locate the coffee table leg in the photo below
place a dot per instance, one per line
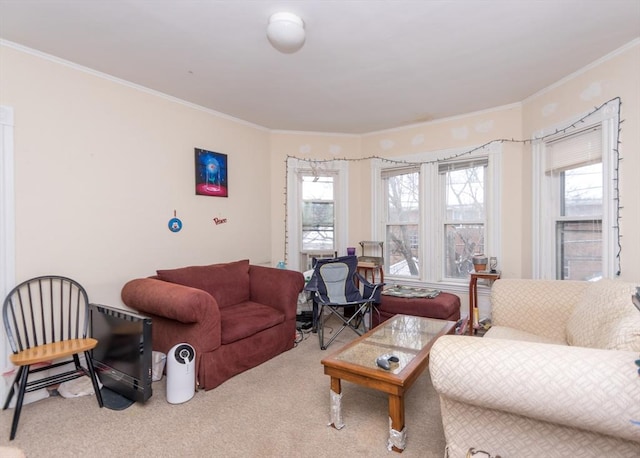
(336, 404)
(397, 432)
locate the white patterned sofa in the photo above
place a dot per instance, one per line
(554, 376)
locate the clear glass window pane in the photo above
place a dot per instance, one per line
(403, 215)
(404, 249)
(318, 213)
(579, 250)
(582, 191)
(464, 194)
(317, 225)
(403, 202)
(461, 242)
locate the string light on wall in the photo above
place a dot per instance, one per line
(314, 163)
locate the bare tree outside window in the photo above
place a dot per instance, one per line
(402, 222)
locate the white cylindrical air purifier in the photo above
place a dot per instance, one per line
(181, 373)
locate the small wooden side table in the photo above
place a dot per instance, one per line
(473, 293)
(367, 270)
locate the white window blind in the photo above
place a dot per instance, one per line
(580, 148)
(397, 171)
(445, 167)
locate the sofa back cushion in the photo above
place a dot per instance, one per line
(605, 317)
(227, 283)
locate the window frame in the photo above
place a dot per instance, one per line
(296, 168)
(314, 202)
(471, 161)
(546, 191)
(386, 223)
(432, 215)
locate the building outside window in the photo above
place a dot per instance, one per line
(317, 211)
(464, 216)
(574, 199)
(579, 223)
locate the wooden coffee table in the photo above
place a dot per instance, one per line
(409, 338)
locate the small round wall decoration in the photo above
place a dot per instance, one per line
(174, 223)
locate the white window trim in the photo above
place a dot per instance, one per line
(294, 200)
(431, 238)
(544, 265)
(7, 217)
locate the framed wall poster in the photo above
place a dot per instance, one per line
(211, 173)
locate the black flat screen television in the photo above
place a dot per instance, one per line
(122, 357)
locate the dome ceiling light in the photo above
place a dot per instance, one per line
(286, 32)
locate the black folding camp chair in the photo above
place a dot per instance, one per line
(335, 287)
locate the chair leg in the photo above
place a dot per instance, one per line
(94, 379)
(314, 316)
(13, 388)
(352, 322)
(320, 327)
(21, 390)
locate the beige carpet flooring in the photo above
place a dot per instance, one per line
(279, 409)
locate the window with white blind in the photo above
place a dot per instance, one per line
(435, 214)
(574, 188)
(317, 213)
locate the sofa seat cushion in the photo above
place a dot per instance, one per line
(246, 319)
(596, 319)
(228, 283)
(505, 332)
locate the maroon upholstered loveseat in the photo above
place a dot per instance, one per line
(235, 315)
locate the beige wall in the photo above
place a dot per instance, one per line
(310, 146)
(100, 167)
(465, 133)
(616, 76)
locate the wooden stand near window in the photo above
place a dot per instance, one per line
(473, 296)
(371, 263)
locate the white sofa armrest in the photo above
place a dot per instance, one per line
(590, 389)
(540, 307)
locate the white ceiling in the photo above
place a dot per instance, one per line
(365, 66)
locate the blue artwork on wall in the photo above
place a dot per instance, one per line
(211, 173)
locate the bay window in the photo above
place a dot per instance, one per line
(432, 214)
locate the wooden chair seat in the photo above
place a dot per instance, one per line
(51, 351)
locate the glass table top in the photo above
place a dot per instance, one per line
(402, 336)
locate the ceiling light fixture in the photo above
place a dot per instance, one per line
(286, 32)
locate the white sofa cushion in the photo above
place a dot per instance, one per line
(625, 334)
(505, 332)
(602, 312)
(590, 389)
(540, 307)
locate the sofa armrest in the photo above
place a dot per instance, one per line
(278, 288)
(179, 313)
(591, 389)
(540, 307)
